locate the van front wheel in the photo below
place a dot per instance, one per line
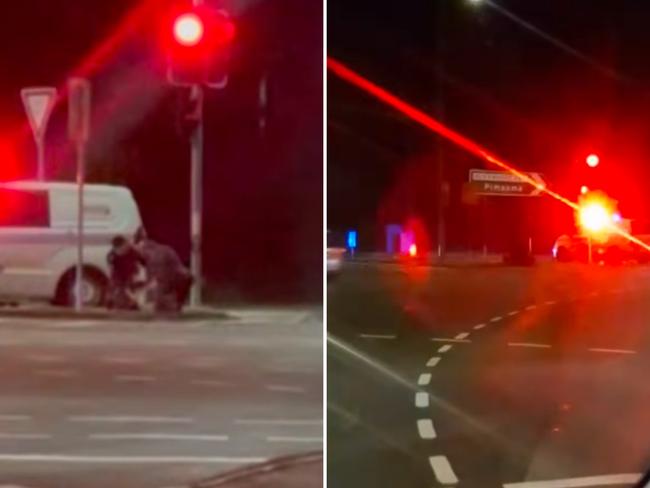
(93, 288)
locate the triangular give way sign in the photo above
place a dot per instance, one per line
(38, 102)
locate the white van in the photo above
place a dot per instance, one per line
(38, 238)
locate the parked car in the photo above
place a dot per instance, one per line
(38, 238)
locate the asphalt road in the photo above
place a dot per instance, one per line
(488, 377)
(107, 404)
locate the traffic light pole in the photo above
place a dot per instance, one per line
(196, 212)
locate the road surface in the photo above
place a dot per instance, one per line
(488, 376)
(105, 404)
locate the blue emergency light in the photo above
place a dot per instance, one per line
(352, 239)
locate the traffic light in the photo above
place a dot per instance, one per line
(592, 160)
(198, 42)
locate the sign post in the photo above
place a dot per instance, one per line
(79, 101)
(504, 184)
(38, 103)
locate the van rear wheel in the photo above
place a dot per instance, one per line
(93, 288)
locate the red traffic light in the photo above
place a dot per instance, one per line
(592, 160)
(188, 29)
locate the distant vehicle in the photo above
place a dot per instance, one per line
(38, 238)
(335, 254)
(614, 249)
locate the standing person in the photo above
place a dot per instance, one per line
(124, 261)
(164, 267)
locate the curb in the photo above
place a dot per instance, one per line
(273, 465)
(66, 314)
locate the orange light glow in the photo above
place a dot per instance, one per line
(595, 217)
(188, 29)
(413, 250)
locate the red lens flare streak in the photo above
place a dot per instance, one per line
(424, 119)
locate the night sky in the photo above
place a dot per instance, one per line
(263, 188)
(523, 98)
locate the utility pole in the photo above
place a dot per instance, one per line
(196, 217)
(440, 114)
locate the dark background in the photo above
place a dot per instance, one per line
(263, 187)
(523, 98)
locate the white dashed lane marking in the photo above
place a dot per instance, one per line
(479, 326)
(444, 349)
(52, 373)
(421, 399)
(528, 344)
(496, 319)
(286, 422)
(531, 307)
(550, 302)
(285, 388)
(128, 378)
(308, 440)
(462, 336)
(14, 418)
(512, 313)
(424, 379)
(154, 436)
(613, 351)
(433, 361)
(426, 429)
(117, 419)
(378, 336)
(442, 470)
(25, 436)
(446, 339)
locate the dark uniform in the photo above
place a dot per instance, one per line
(124, 261)
(172, 279)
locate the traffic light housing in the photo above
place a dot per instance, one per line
(198, 43)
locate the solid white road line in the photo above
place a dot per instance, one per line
(531, 307)
(294, 422)
(445, 339)
(444, 349)
(424, 379)
(26, 436)
(603, 480)
(528, 344)
(442, 470)
(433, 361)
(461, 336)
(129, 378)
(285, 388)
(279, 438)
(479, 326)
(421, 399)
(116, 419)
(512, 313)
(425, 429)
(377, 336)
(550, 302)
(158, 436)
(70, 459)
(615, 351)
(496, 319)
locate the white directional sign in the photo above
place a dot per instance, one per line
(503, 183)
(38, 102)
